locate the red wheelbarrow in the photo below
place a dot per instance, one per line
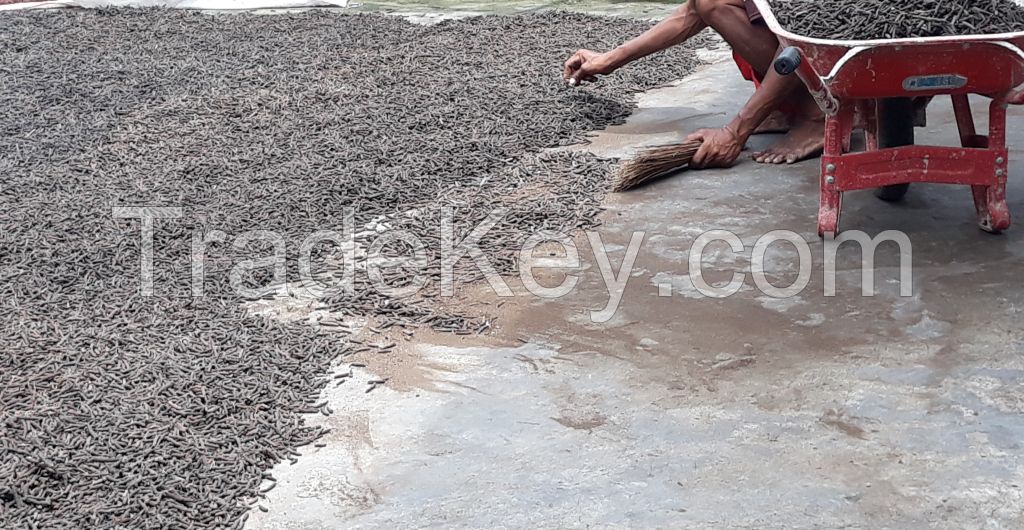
(872, 85)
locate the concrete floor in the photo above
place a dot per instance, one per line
(689, 412)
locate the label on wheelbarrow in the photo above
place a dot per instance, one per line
(934, 82)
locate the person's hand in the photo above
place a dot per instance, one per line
(585, 65)
(720, 148)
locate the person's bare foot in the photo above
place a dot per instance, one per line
(805, 140)
(776, 122)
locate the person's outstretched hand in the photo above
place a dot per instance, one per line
(585, 65)
(720, 148)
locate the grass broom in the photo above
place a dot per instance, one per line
(652, 163)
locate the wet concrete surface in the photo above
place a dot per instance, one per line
(682, 411)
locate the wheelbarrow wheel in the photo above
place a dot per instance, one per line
(893, 193)
(895, 129)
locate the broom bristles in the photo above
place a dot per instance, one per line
(653, 163)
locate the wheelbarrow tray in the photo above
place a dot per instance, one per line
(978, 64)
(850, 79)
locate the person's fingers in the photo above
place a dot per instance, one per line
(700, 157)
(570, 72)
(695, 137)
(571, 66)
(580, 71)
(697, 161)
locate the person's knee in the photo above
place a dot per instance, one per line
(707, 9)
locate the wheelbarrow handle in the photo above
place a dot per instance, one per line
(788, 61)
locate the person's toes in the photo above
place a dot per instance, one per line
(791, 159)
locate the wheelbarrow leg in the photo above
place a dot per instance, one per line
(830, 204)
(990, 200)
(838, 124)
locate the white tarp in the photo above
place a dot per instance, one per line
(179, 4)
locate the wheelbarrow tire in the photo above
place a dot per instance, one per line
(893, 193)
(895, 129)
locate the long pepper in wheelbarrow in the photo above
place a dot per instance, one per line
(897, 19)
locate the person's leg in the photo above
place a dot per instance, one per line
(757, 45)
(805, 139)
(778, 120)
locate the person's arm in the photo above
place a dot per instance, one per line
(722, 147)
(682, 24)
